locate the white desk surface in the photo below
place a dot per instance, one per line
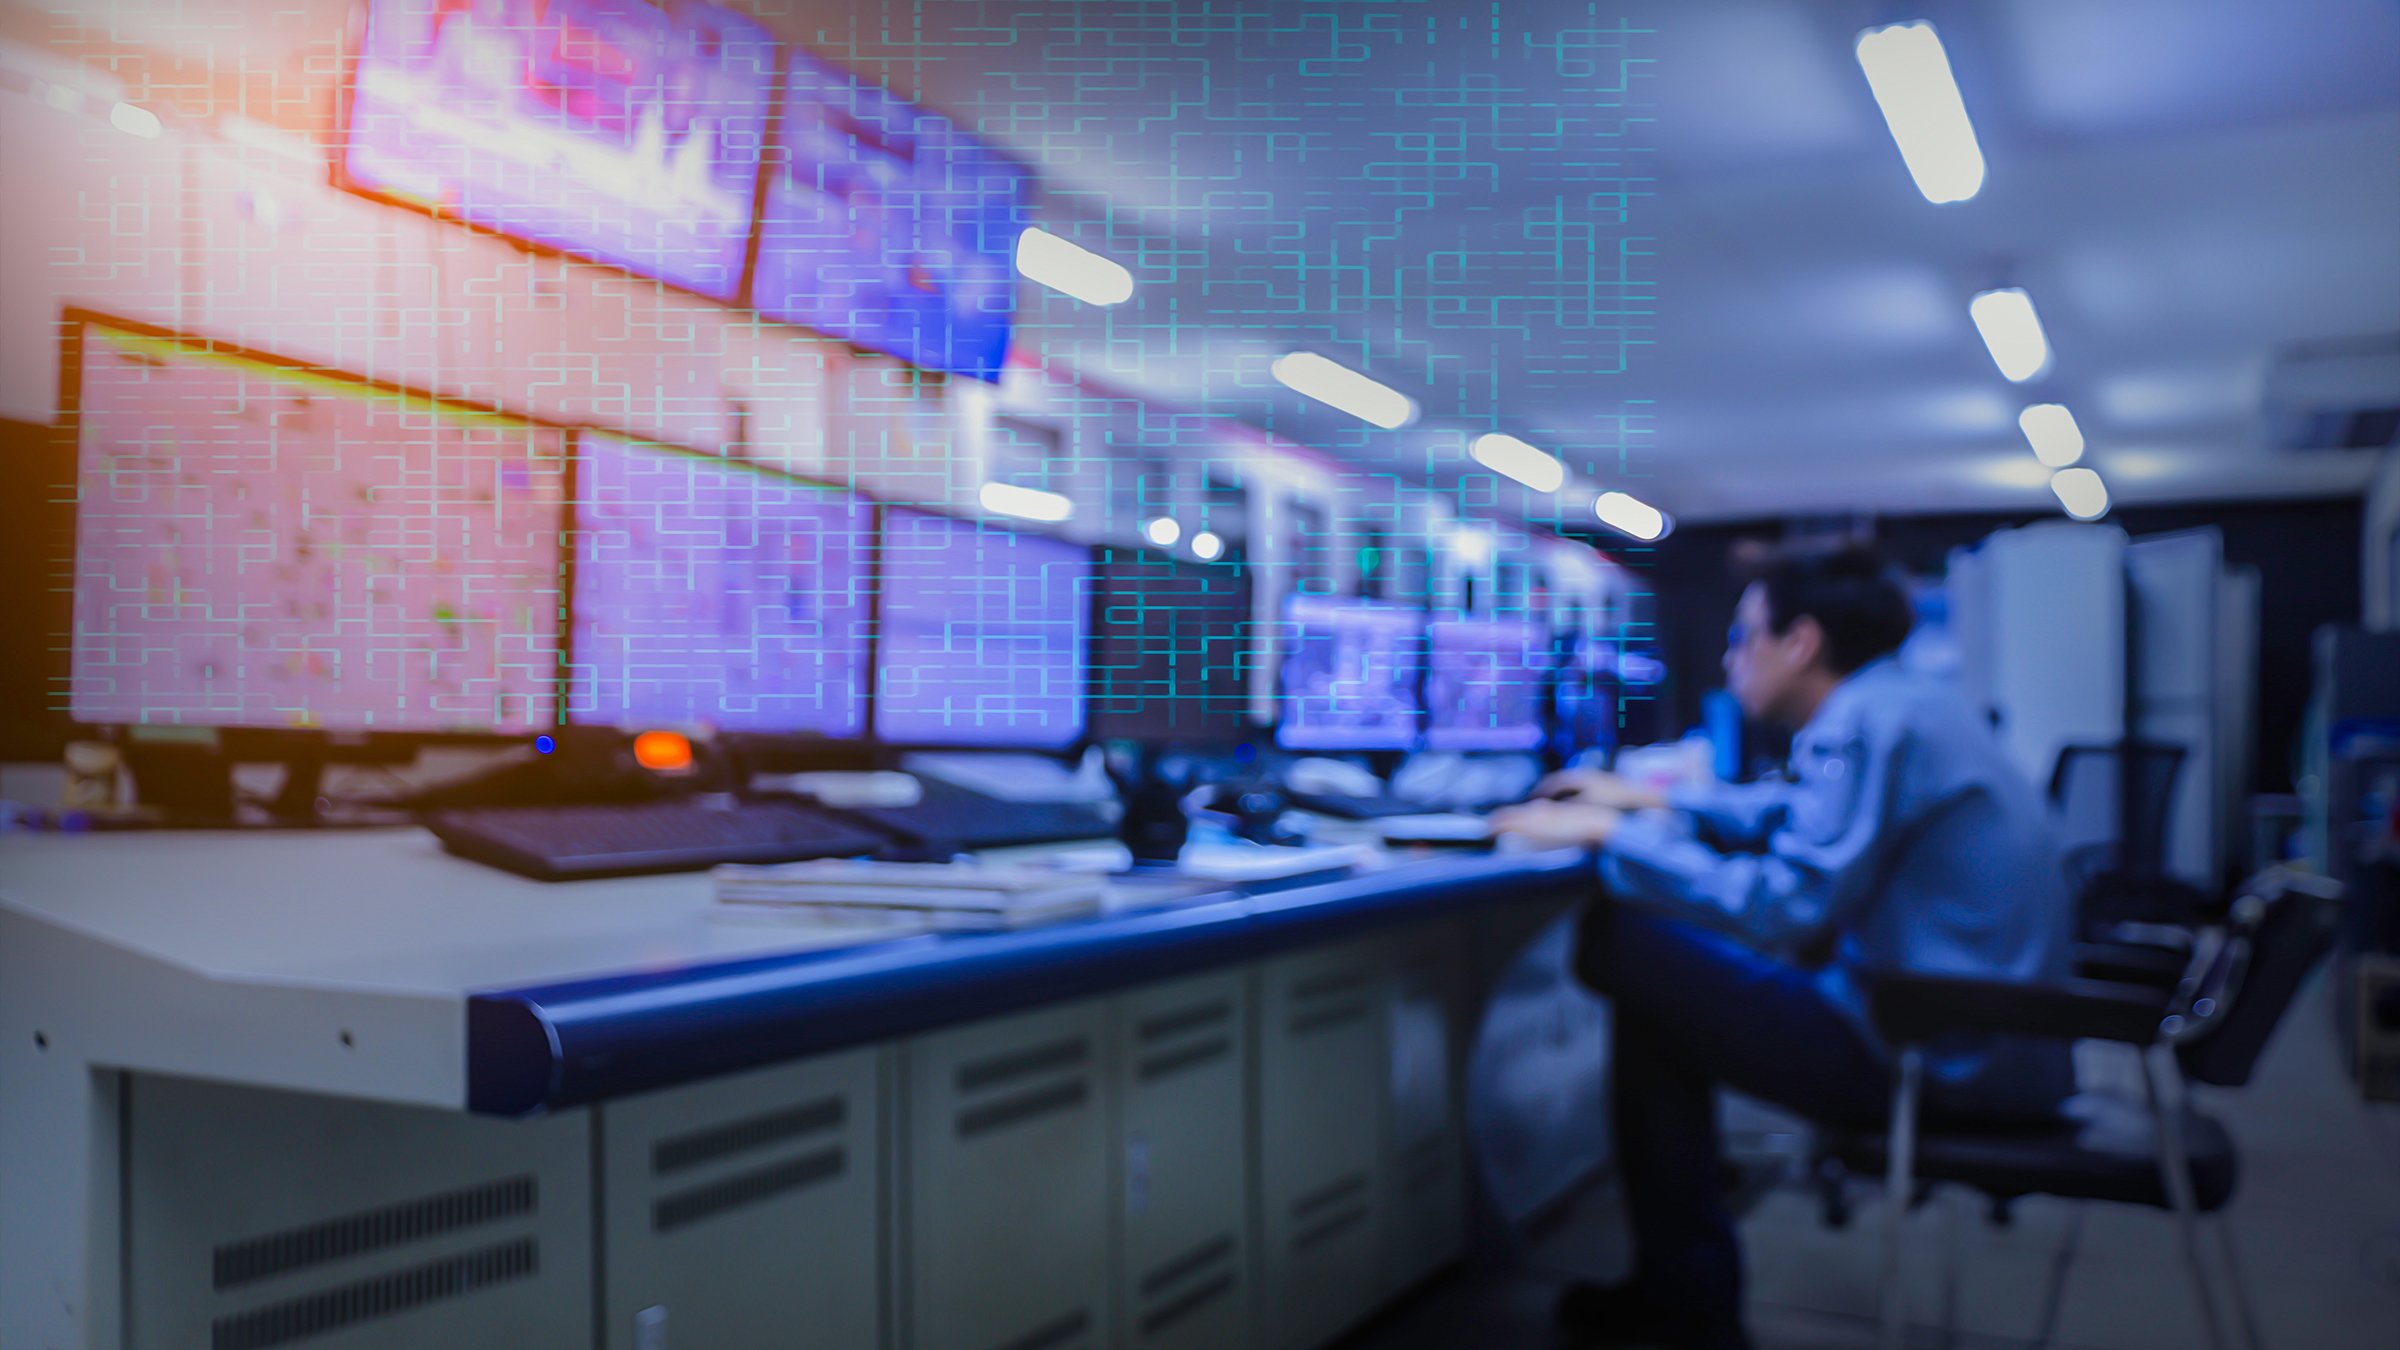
(368, 911)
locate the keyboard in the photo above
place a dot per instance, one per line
(1346, 807)
(948, 819)
(566, 843)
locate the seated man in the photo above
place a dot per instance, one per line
(1739, 920)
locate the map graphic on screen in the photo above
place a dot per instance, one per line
(982, 635)
(264, 547)
(617, 130)
(1484, 684)
(888, 225)
(715, 594)
(1350, 674)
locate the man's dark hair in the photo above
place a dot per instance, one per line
(1852, 593)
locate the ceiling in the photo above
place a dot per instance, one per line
(1672, 242)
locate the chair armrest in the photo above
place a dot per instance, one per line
(2132, 963)
(1910, 1008)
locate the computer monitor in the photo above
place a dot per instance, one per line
(1486, 681)
(713, 593)
(265, 548)
(618, 130)
(1351, 675)
(1173, 646)
(981, 635)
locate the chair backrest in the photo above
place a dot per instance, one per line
(2115, 801)
(2281, 924)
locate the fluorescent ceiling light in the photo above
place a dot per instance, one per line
(1071, 269)
(1011, 499)
(1329, 381)
(134, 120)
(2081, 492)
(1910, 74)
(1630, 515)
(1162, 531)
(2050, 429)
(1531, 465)
(2012, 331)
(1207, 547)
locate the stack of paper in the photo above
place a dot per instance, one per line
(942, 896)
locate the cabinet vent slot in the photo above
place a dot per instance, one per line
(1191, 1263)
(1068, 1053)
(745, 1135)
(1339, 982)
(316, 1314)
(1326, 1197)
(1338, 1014)
(1182, 1020)
(670, 1212)
(259, 1258)
(1329, 1229)
(1022, 1107)
(1177, 1309)
(1065, 1331)
(1190, 1057)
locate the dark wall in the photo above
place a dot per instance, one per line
(2306, 553)
(37, 526)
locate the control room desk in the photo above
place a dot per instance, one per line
(342, 1090)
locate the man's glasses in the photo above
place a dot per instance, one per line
(1737, 635)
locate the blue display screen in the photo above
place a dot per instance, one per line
(888, 225)
(617, 130)
(983, 633)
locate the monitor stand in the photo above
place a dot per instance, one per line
(181, 782)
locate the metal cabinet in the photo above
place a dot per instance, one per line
(1183, 1279)
(1005, 1184)
(257, 1218)
(1424, 1151)
(1321, 1084)
(742, 1210)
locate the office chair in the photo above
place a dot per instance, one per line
(2112, 804)
(2158, 1151)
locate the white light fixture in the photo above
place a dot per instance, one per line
(2050, 429)
(1071, 269)
(1509, 457)
(1910, 75)
(1627, 514)
(134, 120)
(1013, 499)
(2081, 492)
(2012, 331)
(1162, 531)
(1471, 544)
(1329, 381)
(1207, 547)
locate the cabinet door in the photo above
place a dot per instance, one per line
(746, 1210)
(1007, 1184)
(1183, 1179)
(1424, 1159)
(258, 1218)
(1321, 1091)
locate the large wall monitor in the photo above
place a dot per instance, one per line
(981, 639)
(1486, 681)
(617, 130)
(887, 224)
(263, 546)
(1173, 645)
(714, 593)
(1351, 675)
